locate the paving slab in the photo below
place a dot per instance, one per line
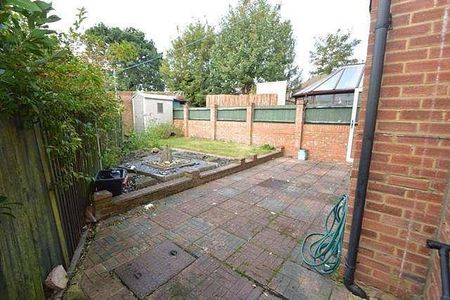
(296, 282)
(253, 261)
(147, 272)
(220, 243)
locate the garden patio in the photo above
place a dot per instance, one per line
(238, 237)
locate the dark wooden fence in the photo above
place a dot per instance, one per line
(48, 223)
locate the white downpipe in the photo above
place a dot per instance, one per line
(348, 157)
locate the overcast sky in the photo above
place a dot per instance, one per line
(161, 20)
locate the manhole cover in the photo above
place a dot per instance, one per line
(272, 183)
(147, 272)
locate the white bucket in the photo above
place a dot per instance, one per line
(302, 154)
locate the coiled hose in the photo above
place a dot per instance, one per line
(323, 252)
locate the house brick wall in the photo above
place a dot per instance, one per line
(325, 142)
(127, 113)
(411, 155)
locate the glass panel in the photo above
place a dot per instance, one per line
(330, 84)
(160, 108)
(351, 77)
(343, 99)
(323, 100)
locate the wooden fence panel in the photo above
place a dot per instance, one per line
(199, 114)
(232, 114)
(29, 244)
(241, 100)
(276, 114)
(328, 115)
(178, 113)
(48, 224)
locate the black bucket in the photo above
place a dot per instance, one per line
(111, 180)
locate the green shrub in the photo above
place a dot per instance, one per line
(111, 157)
(268, 147)
(150, 138)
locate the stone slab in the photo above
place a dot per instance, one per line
(146, 273)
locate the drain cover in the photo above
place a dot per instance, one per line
(147, 272)
(272, 183)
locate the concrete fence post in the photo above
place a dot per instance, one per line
(249, 121)
(213, 120)
(186, 120)
(299, 121)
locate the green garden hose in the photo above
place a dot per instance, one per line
(322, 251)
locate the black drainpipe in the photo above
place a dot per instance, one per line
(381, 31)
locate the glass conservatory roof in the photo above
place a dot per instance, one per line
(345, 78)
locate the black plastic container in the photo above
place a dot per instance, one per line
(111, 180)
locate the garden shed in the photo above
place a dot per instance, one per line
(149, 108)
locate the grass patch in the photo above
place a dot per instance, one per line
(221, 148)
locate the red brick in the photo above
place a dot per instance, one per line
(441, 129)
(400, 20)
(397, 80)
(411, 160)
(437, 77)
(392, 148)
(387, 189)
(392, 68)
(410, 31)
(410, 6)
(418, 91)
(397, 126)
(435, 103)
(390, 92)
(426, 66)
(400, 103)
(420, 184)
(390, 210)
(428, 15)
(421, 115)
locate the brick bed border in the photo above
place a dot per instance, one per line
(106, 205)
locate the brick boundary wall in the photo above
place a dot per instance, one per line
(411, 156)
(325, 142)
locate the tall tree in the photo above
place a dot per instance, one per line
(254, 45)
(332, 51)
(145, 75)
(186, 66)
